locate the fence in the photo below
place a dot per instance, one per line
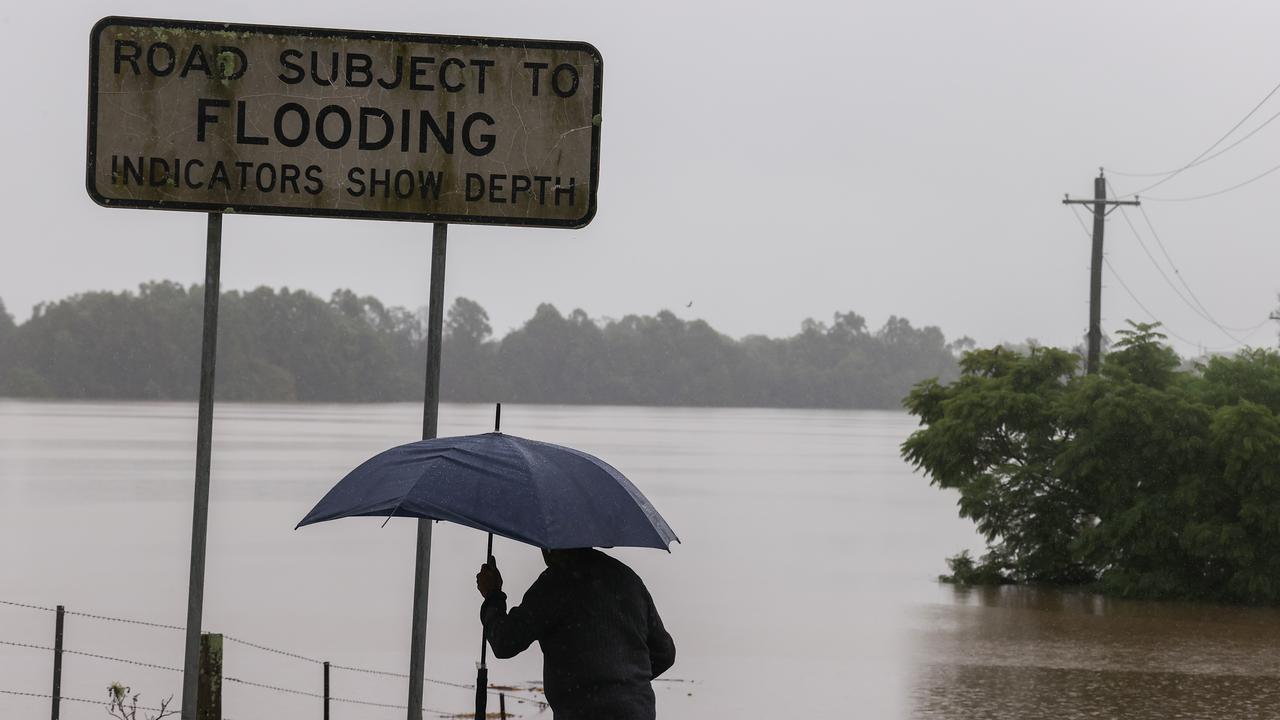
(528, 695)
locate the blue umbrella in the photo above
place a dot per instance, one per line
(546, 495)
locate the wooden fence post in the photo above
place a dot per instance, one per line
(209, 689)
(502, 706)
(56, 702)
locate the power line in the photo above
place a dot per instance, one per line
(1210, 149)
(1202, 311)
(1164, 327)
(1207, 158)
(1144, 308)
(1215, 193)
(1183, 280)
(1133, 296)
(1085, 229)
(1151, 315)
(1129, 291)
(1143, 244)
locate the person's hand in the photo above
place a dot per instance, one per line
(489, 580)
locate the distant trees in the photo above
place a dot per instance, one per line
(283, 345)
(1147, 479)
(7, 333)
(272, 346)
(664, 360)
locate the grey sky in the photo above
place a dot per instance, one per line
(766, 162)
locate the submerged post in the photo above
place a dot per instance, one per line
(56, 701)
(209, 688)
(204, 447)
(430, 427)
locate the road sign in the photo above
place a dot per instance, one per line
(299, 121)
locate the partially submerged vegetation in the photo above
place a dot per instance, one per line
(1148, 479)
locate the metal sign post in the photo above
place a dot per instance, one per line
(262, 119)
(204, 449)
(430, 428)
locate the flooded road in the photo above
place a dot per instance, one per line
(804, 584)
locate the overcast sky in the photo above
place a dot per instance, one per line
(766, 162)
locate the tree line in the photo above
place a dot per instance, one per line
(291, 345)
(1152, 478)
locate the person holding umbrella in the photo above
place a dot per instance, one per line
(601, 636)
(602, 639)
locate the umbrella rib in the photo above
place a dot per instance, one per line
(656, 521)
(537, 496)
(405, 496)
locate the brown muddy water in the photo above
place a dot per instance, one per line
(804, 585)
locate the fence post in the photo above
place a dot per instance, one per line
(502, 706)
(326, 690)
(209, 688)
(56, 702)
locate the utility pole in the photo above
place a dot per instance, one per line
(1100, 205)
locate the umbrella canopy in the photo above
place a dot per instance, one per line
(550, 496)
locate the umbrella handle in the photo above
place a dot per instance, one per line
(482, 672)
(484, 646)
(482, 692)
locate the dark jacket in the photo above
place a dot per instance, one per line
(602, 640)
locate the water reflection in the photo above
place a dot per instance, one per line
(1041, 653)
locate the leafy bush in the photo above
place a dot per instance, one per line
(1146, 479)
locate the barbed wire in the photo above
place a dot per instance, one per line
(92, 616)
(47, 696)
(402, 676)
(464, 686)
(370, 703)
(230, 679)
(96, 656)
(276, 688)
(308, 694)
(255, 646)
(393, 706)
(25, 605)
(275, 651)
(370, 671)
(127, 621)
(367, 671)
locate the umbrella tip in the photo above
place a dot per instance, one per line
(497, 418)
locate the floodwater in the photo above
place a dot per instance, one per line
(804, 585)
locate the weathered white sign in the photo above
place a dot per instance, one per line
(300, 121)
